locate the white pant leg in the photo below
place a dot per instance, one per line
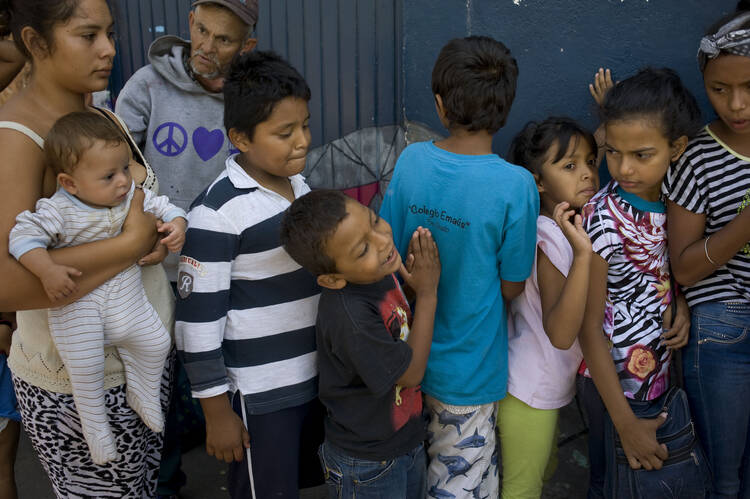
(133, 326)
(79, 337)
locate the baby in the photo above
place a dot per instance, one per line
(91, 158)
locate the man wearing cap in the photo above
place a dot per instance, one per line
(174, 108)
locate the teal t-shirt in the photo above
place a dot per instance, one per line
(482, 212)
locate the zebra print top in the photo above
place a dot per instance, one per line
(629, 233)
(714, 180)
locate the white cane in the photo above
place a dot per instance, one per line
(247, 451)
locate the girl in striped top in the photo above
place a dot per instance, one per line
(708, 193)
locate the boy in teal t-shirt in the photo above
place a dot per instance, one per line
(482, 212)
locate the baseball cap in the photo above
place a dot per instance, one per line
(247, 10)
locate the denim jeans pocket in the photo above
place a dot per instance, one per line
(371, 473)
(713, 330)
(684, 474)
(681, 477)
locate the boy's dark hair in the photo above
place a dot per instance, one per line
(476, 79)
(532, 144)
(73, 134)
(654, 93)
(257, 80)
(308, 224)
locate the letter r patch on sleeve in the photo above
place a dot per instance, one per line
(184, 284)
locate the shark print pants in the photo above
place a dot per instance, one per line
(462, 451)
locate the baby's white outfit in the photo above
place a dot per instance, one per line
(116, 313)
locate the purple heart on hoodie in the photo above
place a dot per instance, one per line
(207, 143)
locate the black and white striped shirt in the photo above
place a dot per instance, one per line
(629, 233)
(713, 180)
(246, 311)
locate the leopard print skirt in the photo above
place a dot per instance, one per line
(51, 421)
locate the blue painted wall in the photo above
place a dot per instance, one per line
(558, 44)
(368, 62)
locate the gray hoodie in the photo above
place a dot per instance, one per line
(178, 124)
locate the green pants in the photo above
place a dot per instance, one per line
(529, 450)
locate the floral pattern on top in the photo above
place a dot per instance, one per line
(630, 235)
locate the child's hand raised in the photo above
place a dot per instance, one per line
(602, 84)
(573, 232)
(409, 262)
(175, 230)
(57, 281)
(422, 269)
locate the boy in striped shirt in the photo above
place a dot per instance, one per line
(246, 311)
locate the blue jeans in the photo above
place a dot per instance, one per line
(717, 382)
(404, 477)
(684, 474)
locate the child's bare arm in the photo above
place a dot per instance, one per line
(423, 279)
(175, 230)
(563, 300)
(598, 89)
(638, 436)
(511, 289)
(689, 250)
(56, 279)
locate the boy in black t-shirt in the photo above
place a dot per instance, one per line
(371, 355)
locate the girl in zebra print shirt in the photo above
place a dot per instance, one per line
(708, 193)
(648, 119)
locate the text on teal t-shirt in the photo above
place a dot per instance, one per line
(482, 212)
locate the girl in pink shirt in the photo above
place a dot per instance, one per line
(545, 319)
